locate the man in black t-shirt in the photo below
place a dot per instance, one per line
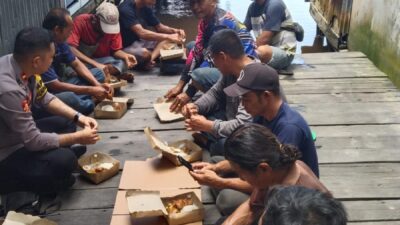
(135, 18)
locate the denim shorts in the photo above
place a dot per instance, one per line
(206, 76)
(280, 58)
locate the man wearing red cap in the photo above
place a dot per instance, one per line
(96, 40)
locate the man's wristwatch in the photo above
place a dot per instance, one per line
(76, 117)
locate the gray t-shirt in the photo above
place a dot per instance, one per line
(271, 16)
(215, 100)
(17, 95)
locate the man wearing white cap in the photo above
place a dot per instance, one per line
(96, 40)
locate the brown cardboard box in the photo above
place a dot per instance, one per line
(98, 177)
(121, 103)
(14, 218)
(172, 51)
(161, 106)
(121, 204)
(143, 204)
(128, 101)
(155, 174)
(187, 149)
(128, 220)
(118, 84)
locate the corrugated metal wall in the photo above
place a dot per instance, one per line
(17, 14)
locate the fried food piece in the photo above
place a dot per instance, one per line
(176, 205)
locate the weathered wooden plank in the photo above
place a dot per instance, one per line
(88, 199)
(343, 97)
(335, 144)
(133, 145)
(315, 114)
(82, 217)
(376, 223)
(143, 99)
(83, 184)
(362, 181)
(305, 72)
(334, 61)
(360, 143)
(137, 120)
(359, 211)
(335, 86)
(333, 55)
(350, 113)
(146, 99)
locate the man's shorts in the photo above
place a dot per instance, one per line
(280, 58)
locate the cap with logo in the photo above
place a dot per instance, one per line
(109, 18)
(254, 77)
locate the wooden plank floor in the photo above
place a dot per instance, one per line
(351, 105)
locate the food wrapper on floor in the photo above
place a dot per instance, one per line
(187, 149)
(179, 209)
(117, 83)
(98, 167)
(14, 218)
(161, 106)
(114, 109)
(172, 51)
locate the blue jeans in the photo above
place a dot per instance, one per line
(206, 77)
(81, 103)
(117, 63)
(78, 80)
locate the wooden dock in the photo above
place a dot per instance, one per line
(352, 106)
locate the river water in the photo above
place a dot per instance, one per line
(177, 14)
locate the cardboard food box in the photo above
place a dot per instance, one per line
(117, 83)
(156, 174)
(14, 218)
(114, 109)
(161, 106)
(127, 220)
(172, 51)
(190, 151)
(179, 209)
(98, 167)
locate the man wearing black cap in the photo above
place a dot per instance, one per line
(259, 87)
(231, 192)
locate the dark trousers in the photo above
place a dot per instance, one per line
(40, 171)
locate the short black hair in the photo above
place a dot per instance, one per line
(55, 17)
(227, 41)
(302, 206)
(251, 144)
(31, 40)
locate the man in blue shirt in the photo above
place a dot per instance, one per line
(75, 85)
(259, 87)
(135, 18)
